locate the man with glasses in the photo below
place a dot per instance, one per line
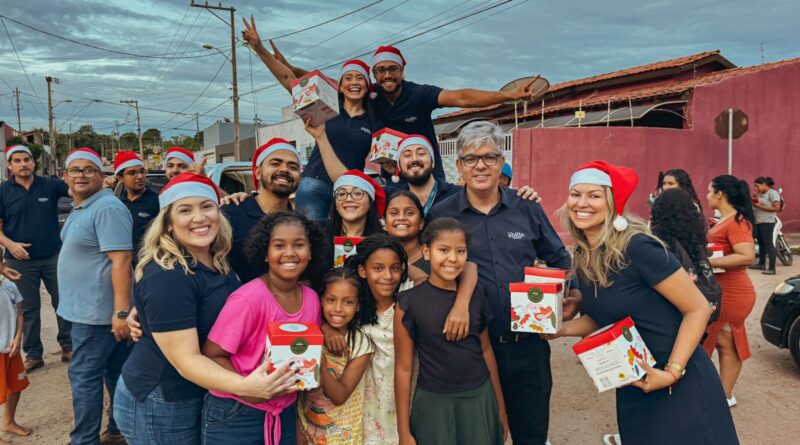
(507, 234)
(276, 172)
(29, 232)
(94, 282)
(137, 197)
(406, 106)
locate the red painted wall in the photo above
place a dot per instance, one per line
(546, 157)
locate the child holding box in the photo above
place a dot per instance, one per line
(458, 398)
(624, 271)
(286, 246)
(12, 370)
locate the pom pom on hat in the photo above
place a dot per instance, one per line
(273, 145)
(359, 179)
(84, 153)
(187, 185)
(181, 154)
(10, 150)
(125, 159)
(621, 180)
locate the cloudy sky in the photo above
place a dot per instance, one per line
(561, 40)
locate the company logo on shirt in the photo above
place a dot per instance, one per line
(516, 235)
(366, 130)
(411, 119)
(143, 215)
(43, 199)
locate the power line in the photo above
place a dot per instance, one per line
(224, 62)
(169, 46)
(325, 22)
(21, 65)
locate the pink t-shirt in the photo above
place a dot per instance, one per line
(241, 326)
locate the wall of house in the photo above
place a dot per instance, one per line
(545, 158)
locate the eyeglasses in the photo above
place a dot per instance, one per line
(488, 160)
(380, 71)
(133, 173)
(355, 194)
(87, 172)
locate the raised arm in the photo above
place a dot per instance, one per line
(333, 166)
(282, 73)
(471, 98)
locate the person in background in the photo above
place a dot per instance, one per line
(630, 273)
(13, 379)
(505, 175)
(734, 232)
(94, 283)
(177, 161)
(676, 178)
(766, 205)
(276, 169)
(136, 195)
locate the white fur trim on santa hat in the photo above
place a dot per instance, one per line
(180, 156)
(276, 147)
(355, 181)
(17, 149)
(412, 141)
(353, 67)
(386, 56)
(590, 176)
(185, 190)
(84, 155)
(126, 164)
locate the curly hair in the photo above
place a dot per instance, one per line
(370, 245)
(675, 219)
(685, 183)
(368, 311)
(259, 239)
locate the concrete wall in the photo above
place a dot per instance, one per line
(222, 133)
(290, 129)
(545, 158)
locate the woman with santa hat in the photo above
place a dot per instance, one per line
(342, 143)
(624, 271)
(181, 284)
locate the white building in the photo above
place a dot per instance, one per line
(222, 133)
(290, 128)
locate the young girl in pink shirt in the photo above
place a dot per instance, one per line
(287, 246)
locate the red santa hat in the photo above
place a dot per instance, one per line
(388, 53)
(181, 154)
(187, 185)
(273, 145)
(621, 180)
(125, 159)
(84, 153)
(359, 179)
(10, 150)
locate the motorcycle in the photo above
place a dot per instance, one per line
(782, 250)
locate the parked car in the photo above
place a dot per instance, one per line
(780, 321)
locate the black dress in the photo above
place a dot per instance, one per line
(697, 412)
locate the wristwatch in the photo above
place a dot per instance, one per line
(121, 315)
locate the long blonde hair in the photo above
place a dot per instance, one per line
(597, 263)
(160, 246)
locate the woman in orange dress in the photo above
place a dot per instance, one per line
(734, 232)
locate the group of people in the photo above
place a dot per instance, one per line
(418, 340)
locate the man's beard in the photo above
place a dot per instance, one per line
(420, 179)
(280, 190)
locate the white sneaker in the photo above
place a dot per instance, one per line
(732, 401)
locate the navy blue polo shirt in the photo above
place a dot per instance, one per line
(31, 216)
(143, 210)
(411, 114)
(442, 190)
(173, 300)
(513, 235)
(350, 137)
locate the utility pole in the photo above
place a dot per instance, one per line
(135, 103)
(50, 80)
(237, 155)
(197, 126)
(70, 136)
(19, 116)
(116, 132)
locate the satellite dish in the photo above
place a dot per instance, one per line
(540, 85)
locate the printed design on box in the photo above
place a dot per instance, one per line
(536, 307)
(315, 96)
(611, 355)
(301, 345)
(343, 248)
(384, 145)
(715, 251)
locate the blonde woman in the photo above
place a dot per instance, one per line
(182, 282)
(624, 271)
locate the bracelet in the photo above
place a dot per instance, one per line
(677, 367)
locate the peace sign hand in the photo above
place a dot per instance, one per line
(250, 33)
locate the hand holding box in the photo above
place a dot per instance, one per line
(343, 248)
(315, 96)
(536, 307)
(299, 343)
(715, 251)
(384, 145)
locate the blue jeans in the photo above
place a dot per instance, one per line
(226, 421)
(97, 358)
(156, 421)
(314, 198)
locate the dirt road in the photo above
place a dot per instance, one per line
(768, 391)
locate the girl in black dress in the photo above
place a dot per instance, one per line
(624, 271)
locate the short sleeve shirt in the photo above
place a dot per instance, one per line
(98, 225)
(31, 216)
(243, 218)
(728, 233)
(766, 199)
(9, 298)
(143, 210)
(445, 366)
(411, 114)
(442, 190)
(173, 300)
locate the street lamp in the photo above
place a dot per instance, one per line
(237, 155)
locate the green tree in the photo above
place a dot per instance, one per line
(152, 136)
(36, 149)
(129, 141)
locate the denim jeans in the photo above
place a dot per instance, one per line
(34, 272)
(97, 358)
(314, 198)
(156, 421)
(226, 421)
